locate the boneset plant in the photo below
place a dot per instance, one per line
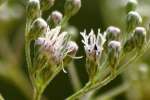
(53, 49)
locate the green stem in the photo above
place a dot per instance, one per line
(99, 84)
(114, 92)
(64, 21)
(28, 57)
(74, 77)
(27, 45)
(37, 94)
(80, 93)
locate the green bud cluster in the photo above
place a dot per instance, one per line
(52, 46)
(136, 34)
(55, 48)
(35, 10)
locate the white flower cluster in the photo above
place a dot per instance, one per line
(93, 45)
(55, 44)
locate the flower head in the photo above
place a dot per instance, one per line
(54, 44)
(93, 45)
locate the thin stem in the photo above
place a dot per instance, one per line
(28, 57)
(74, 77)
(80, 93)
(100, 83)
(37, 94)
(64, 21)
(27, 45)
(114, 92)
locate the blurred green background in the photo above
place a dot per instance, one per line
(94, 14)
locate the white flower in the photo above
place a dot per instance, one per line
(93, 45)
(54, 44)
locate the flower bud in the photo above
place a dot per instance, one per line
(133, 20)
(114, 49)
(139, 36)
(38, 27)
(46, 4)
(55, 18)
(112, 33)
(72, 7)
(129, 45)
(72, 48)
(33, 9)
(131, 5)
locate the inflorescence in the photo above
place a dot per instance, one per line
(54, 49)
